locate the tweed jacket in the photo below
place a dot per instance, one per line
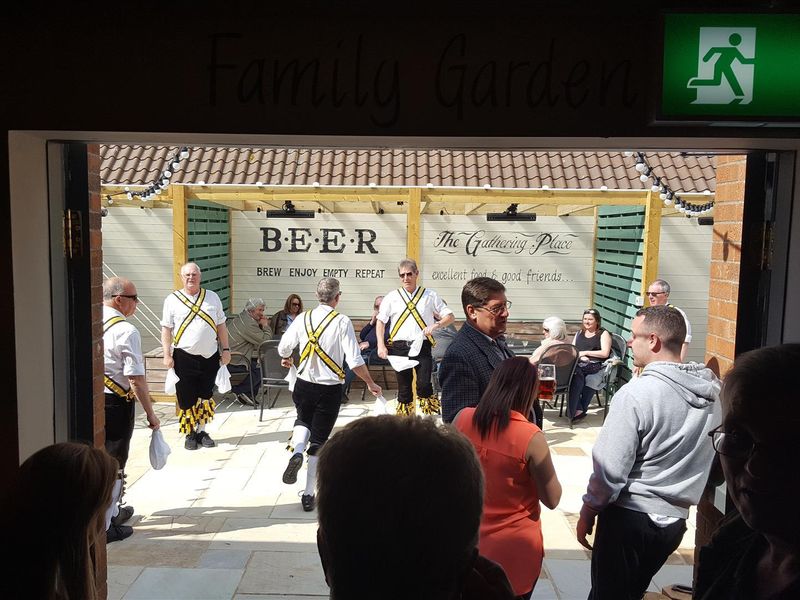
(245, 335)
(466, 369)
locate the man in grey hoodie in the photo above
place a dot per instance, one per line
(651, 459)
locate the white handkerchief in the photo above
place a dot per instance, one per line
(291, 377)
(223, 380)
(380, 406)
(416, 345)
(401, 363)
(170, 381)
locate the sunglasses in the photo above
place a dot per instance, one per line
(295, 304)
(134, 297)
(590, 311)
(404, 275)
(655, 293)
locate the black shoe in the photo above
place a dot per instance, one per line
(579, 417)
(191, 442)
(245, 400)
(307, 500)
(125, 514)
(116, 533)
(205, 440)
(290, 474)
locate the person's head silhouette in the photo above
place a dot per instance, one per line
(735, 39)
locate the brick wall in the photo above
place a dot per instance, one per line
(96, 257)
(723, 294)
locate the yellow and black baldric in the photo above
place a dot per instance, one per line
(107, 381)
(410, 311)
(194, 311)
(312, 346)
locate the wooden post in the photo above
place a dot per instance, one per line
(413, 218)
(652, 240)
(180, 233)
(594, 256)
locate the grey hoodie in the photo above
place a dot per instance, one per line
(653, 454)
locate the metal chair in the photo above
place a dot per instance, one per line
(565, 359)
(606, 379)
(272, 373)
(239, 377)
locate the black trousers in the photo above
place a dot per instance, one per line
(628, 550)
(317, 409)
(244, 386)
(423, 371)
(119, 427)
(197, 376)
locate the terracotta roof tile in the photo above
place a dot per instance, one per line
(140, 165)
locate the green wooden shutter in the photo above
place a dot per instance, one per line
(618, 268)
(209, 246)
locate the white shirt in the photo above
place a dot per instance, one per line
(688, 338)
(394, 304)
(122, 350)
(338, 341)
(198, 338)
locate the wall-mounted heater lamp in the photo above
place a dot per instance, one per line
(511, 214)
(288, 211)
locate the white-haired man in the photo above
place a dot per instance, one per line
(125, 382)
(246, 332)
(410, 310)
(326, 339)
(192, 331)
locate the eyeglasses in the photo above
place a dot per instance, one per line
(735, 445)
(134, 297)
(295, 304)
(496, 310)
(404, 275)
(655, 293)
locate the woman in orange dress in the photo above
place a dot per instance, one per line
(518, 471)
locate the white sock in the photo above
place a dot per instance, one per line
(311, 476)
(300, 435)
(200, 427)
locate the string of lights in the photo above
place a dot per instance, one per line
(162, 181)
(665, 192)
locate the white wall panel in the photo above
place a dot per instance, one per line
(684, 261)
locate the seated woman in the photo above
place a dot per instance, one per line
(594, 346)
(755, 553)
(284, 317)
(555, 332)
(53, 554)
(517, 469)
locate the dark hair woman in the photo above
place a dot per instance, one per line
(594, 347)
(284, 317)
(518, 471)
(52, 557)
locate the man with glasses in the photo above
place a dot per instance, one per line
(658, 295)
(410, 310)
(651, 459)
(478, 347)
(125, 382)
(192, 332)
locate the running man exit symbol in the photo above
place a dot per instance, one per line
(726, 61)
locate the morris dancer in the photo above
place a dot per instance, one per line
(410, 310)
(326, 339)
(192, 330)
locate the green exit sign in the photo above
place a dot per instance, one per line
(731, 67)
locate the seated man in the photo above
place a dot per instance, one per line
(399, 504)
(246, 331)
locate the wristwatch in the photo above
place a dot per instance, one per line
(226, 349)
